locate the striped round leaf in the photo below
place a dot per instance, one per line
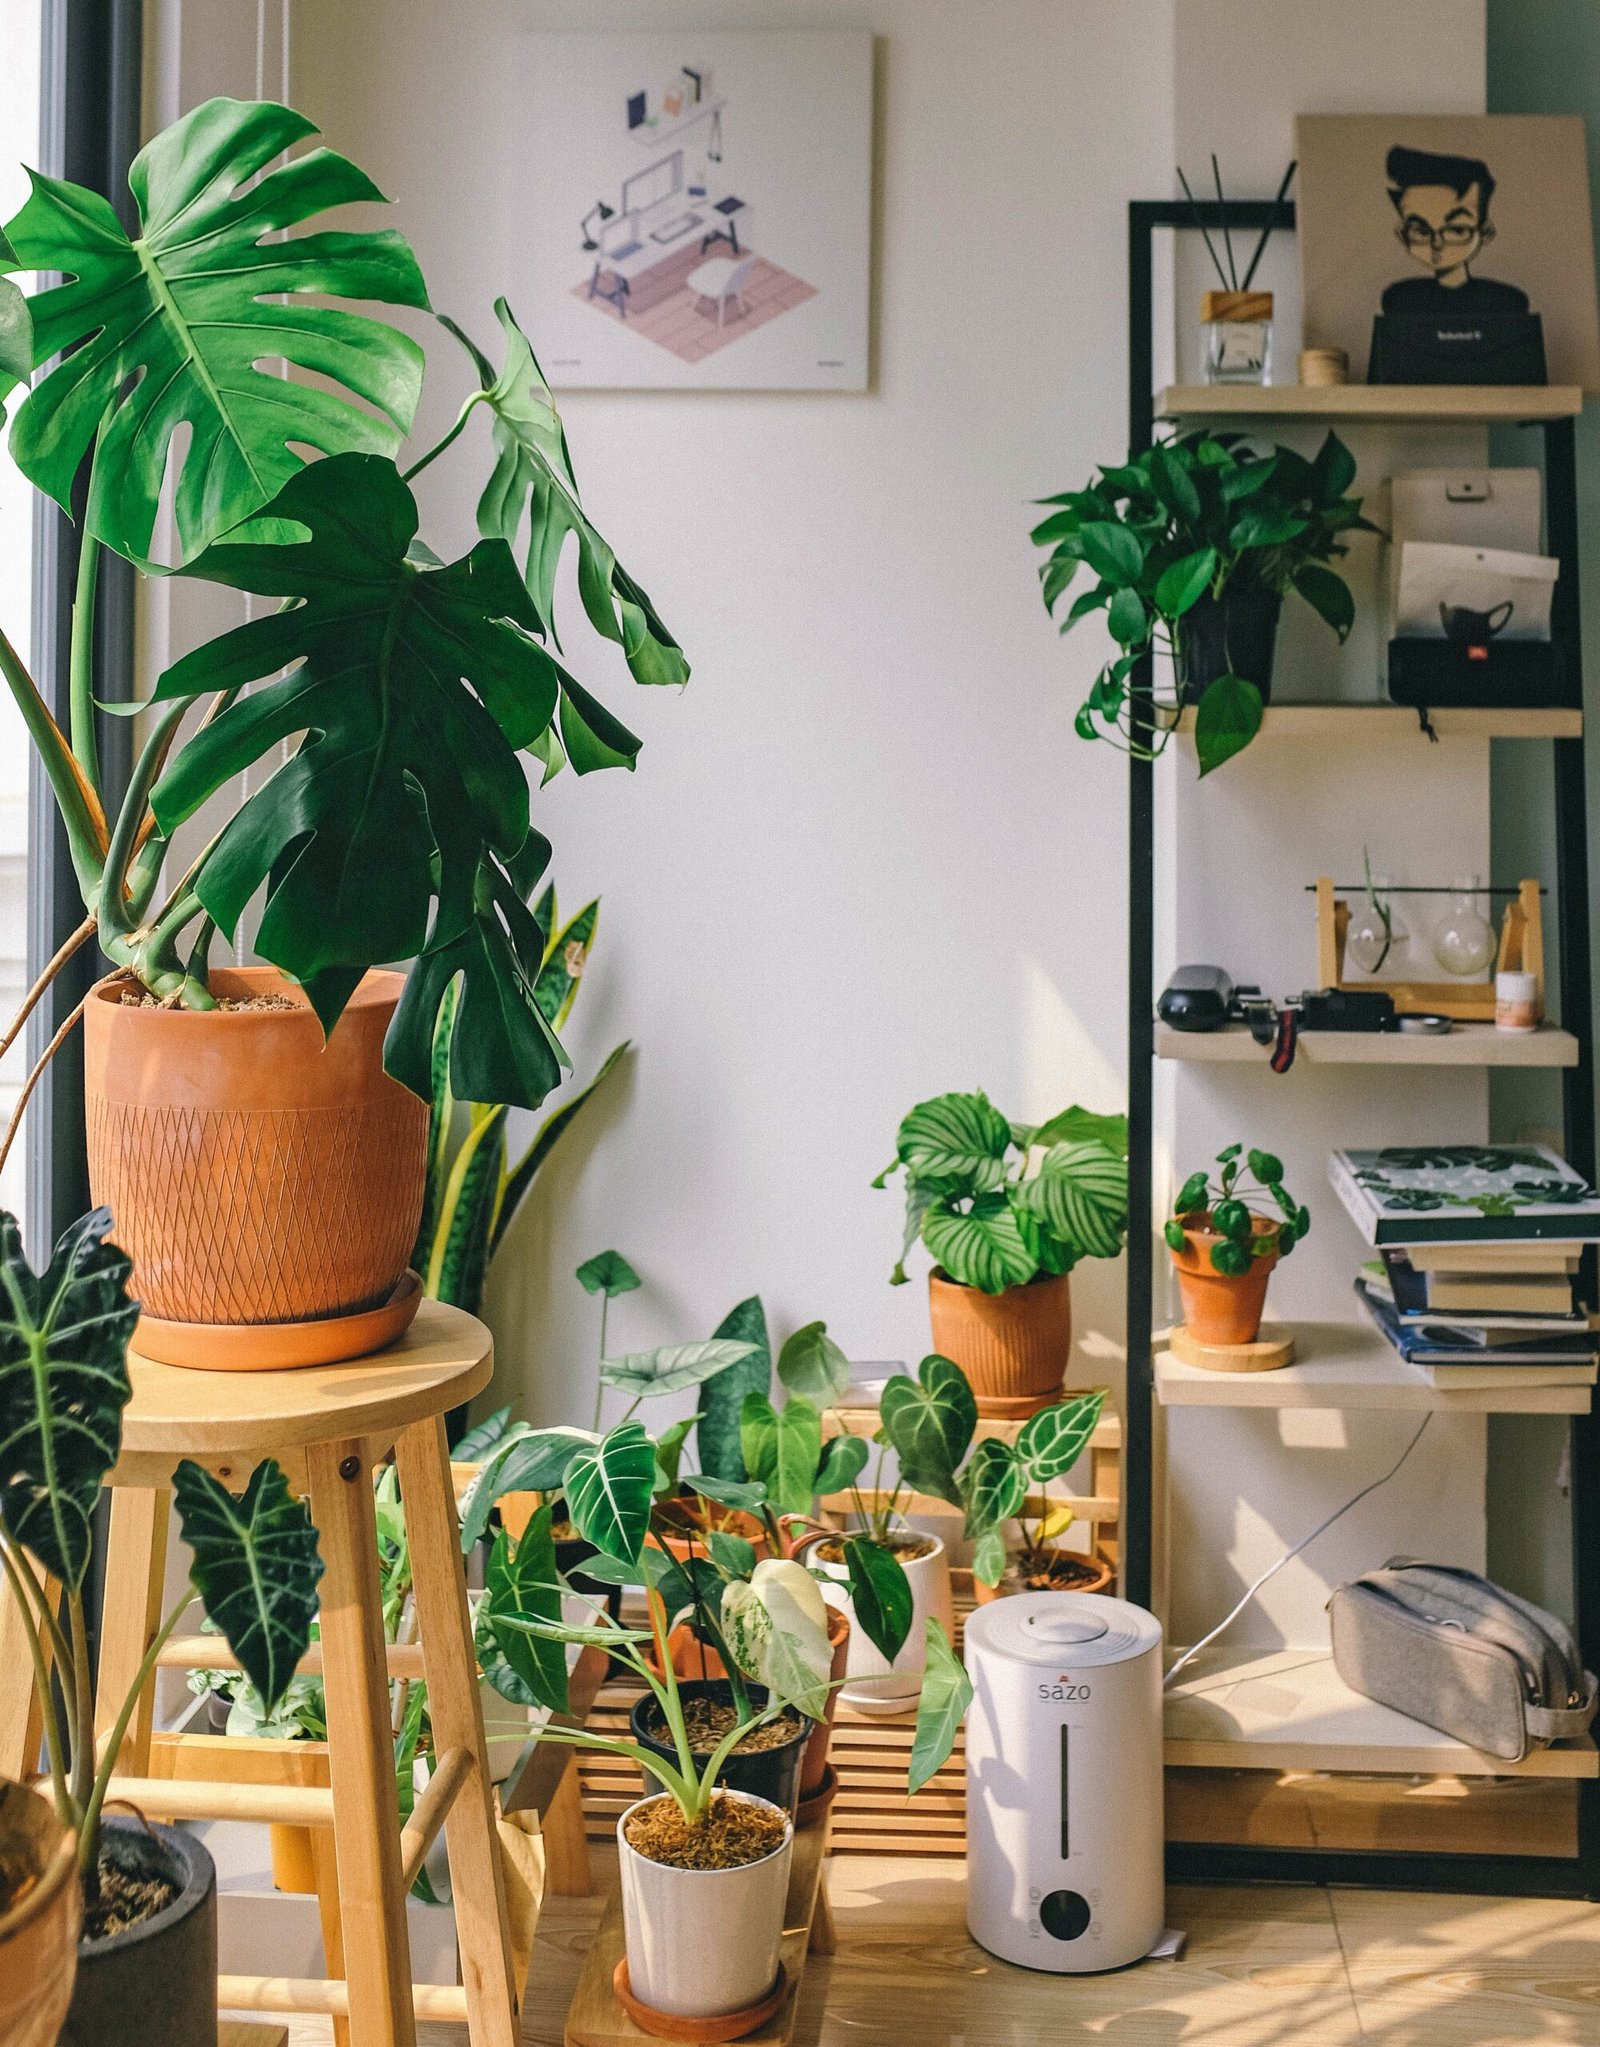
(256, 1567)
(983, 1247)
(63, 1385)
(178, 328)
(958, 1140)
(608, 1491)
(1052, 1441)
(930, 1421)
(995, 1485)
(1081, 1192)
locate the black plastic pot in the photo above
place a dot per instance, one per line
(770, 1773)
(1231, 635)
(158, 1980)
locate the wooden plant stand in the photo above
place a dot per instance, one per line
(596, 2019)
(1521, 951)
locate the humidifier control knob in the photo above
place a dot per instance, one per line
(1064, 1629)
(1064, 1914)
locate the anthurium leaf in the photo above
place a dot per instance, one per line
(608, 1273)
(608, 1491)
(958, 1141)
(842, 1464)
(930, 1421)
(946, 1695)
(64, 1337)
(981, 1247)
(669, 1456)
(673, 1366)
(179, 328)
(812, 1364)
(995, 1484)
(1081, 1193)
(256, 1567)
(731, 1553)
(758, 1436)
(1228, 718)
(1052, 1440)
(722, 1398)
(533, 478)
(880, 1595)
(524, 1460)
(989, 1557)
(528, 1669)
(745, 1494)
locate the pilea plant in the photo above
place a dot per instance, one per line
(1197, 519)
(1232, 1204)
(64, 1337)
(399, 829)
(990, 1216)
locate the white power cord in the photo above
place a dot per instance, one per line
(1289, 1556)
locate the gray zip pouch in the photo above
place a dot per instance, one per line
(1450, 1649)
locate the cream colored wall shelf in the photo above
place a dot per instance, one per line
(1394, 724)
(1466, 1045)
(1288, 1709)
(1350, 1365)
(1420, 404)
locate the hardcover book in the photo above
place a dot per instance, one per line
(1429, 1344)
(1418, 1300)
(1464, 1194)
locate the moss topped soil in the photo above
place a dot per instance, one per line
(1052, 1570)
(140, 998)
(126, 1898)
(708, 1720)
(731, 1835)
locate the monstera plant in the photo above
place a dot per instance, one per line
(63, 1386)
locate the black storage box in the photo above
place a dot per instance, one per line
(1505, 675)
(1477, 348)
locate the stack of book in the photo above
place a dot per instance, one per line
(1477, 1280)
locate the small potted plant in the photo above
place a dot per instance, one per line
(146, 1959)
(1007, 1209)
(1193, 546)
(1226, 1234)
(994, 1487)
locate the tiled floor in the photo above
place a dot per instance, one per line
(687, 325)
(1303, 1968)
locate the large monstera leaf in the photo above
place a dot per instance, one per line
(256, 1567)
(64, 1337)
(176, 328)
(533, 479)
(416, 685)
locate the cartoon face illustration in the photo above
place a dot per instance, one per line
(1443, 208)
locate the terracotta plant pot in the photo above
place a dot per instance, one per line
(254, 1173)
(814, 1764)
(39, 1931)
(698, 1518)
(1097, 1575)
(1013, 1346)
(1217, 1307)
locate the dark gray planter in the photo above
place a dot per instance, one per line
(157, 1981)
(770, 1773)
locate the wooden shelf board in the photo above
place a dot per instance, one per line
(1395, 724)
(1350, 1365)
(1420, 404)
(857, 1415)
(1466, 1045)
(1288, 1709)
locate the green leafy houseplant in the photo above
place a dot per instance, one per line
(998, 1478)
(1193, 523)
(64, 1383)
(991, 1216)
(399, 829)
(1231, 1206)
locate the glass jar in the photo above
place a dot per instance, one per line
(1463, 939)
(1375, 937)
(1237, 331)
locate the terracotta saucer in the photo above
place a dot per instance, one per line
(812, 1810)
(665, 2025)
(279, 1346)
(1014, 1407)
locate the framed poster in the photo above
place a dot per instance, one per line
(696, 209)
(1469, 220)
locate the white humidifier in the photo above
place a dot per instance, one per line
(1064, 1813)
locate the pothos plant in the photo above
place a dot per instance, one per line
(64, 1337)
(399, 830)
(992, 1214)
(1234, 1205)
(1199, 519)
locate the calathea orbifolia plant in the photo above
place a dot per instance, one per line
(64, 1337)
(399, 829)
(1189, 525)
(991, 1215)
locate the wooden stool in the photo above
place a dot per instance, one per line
(328, 1427)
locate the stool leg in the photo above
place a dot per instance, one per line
(477, 1883)
(566, 1839)
(136, 1572)
(325, 1865)
(366, 1820)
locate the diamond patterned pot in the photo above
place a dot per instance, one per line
(254, 1173)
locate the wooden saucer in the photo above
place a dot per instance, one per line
(813, 1810)
(279, 1346)
(1267, 1354)
(731, 2025)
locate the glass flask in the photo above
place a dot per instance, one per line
(1463, 939)
(1376, 939)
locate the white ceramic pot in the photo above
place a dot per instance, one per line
(703, 1942)
(877, 1686)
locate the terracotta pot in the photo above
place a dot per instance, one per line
(1217, 1307)
(1102, 1578)
(1013, 1346)
(697, 1519)
(814, 1764)
(254, 1172)
(39, 1933)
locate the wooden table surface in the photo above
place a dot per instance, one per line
(1304, 1968)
